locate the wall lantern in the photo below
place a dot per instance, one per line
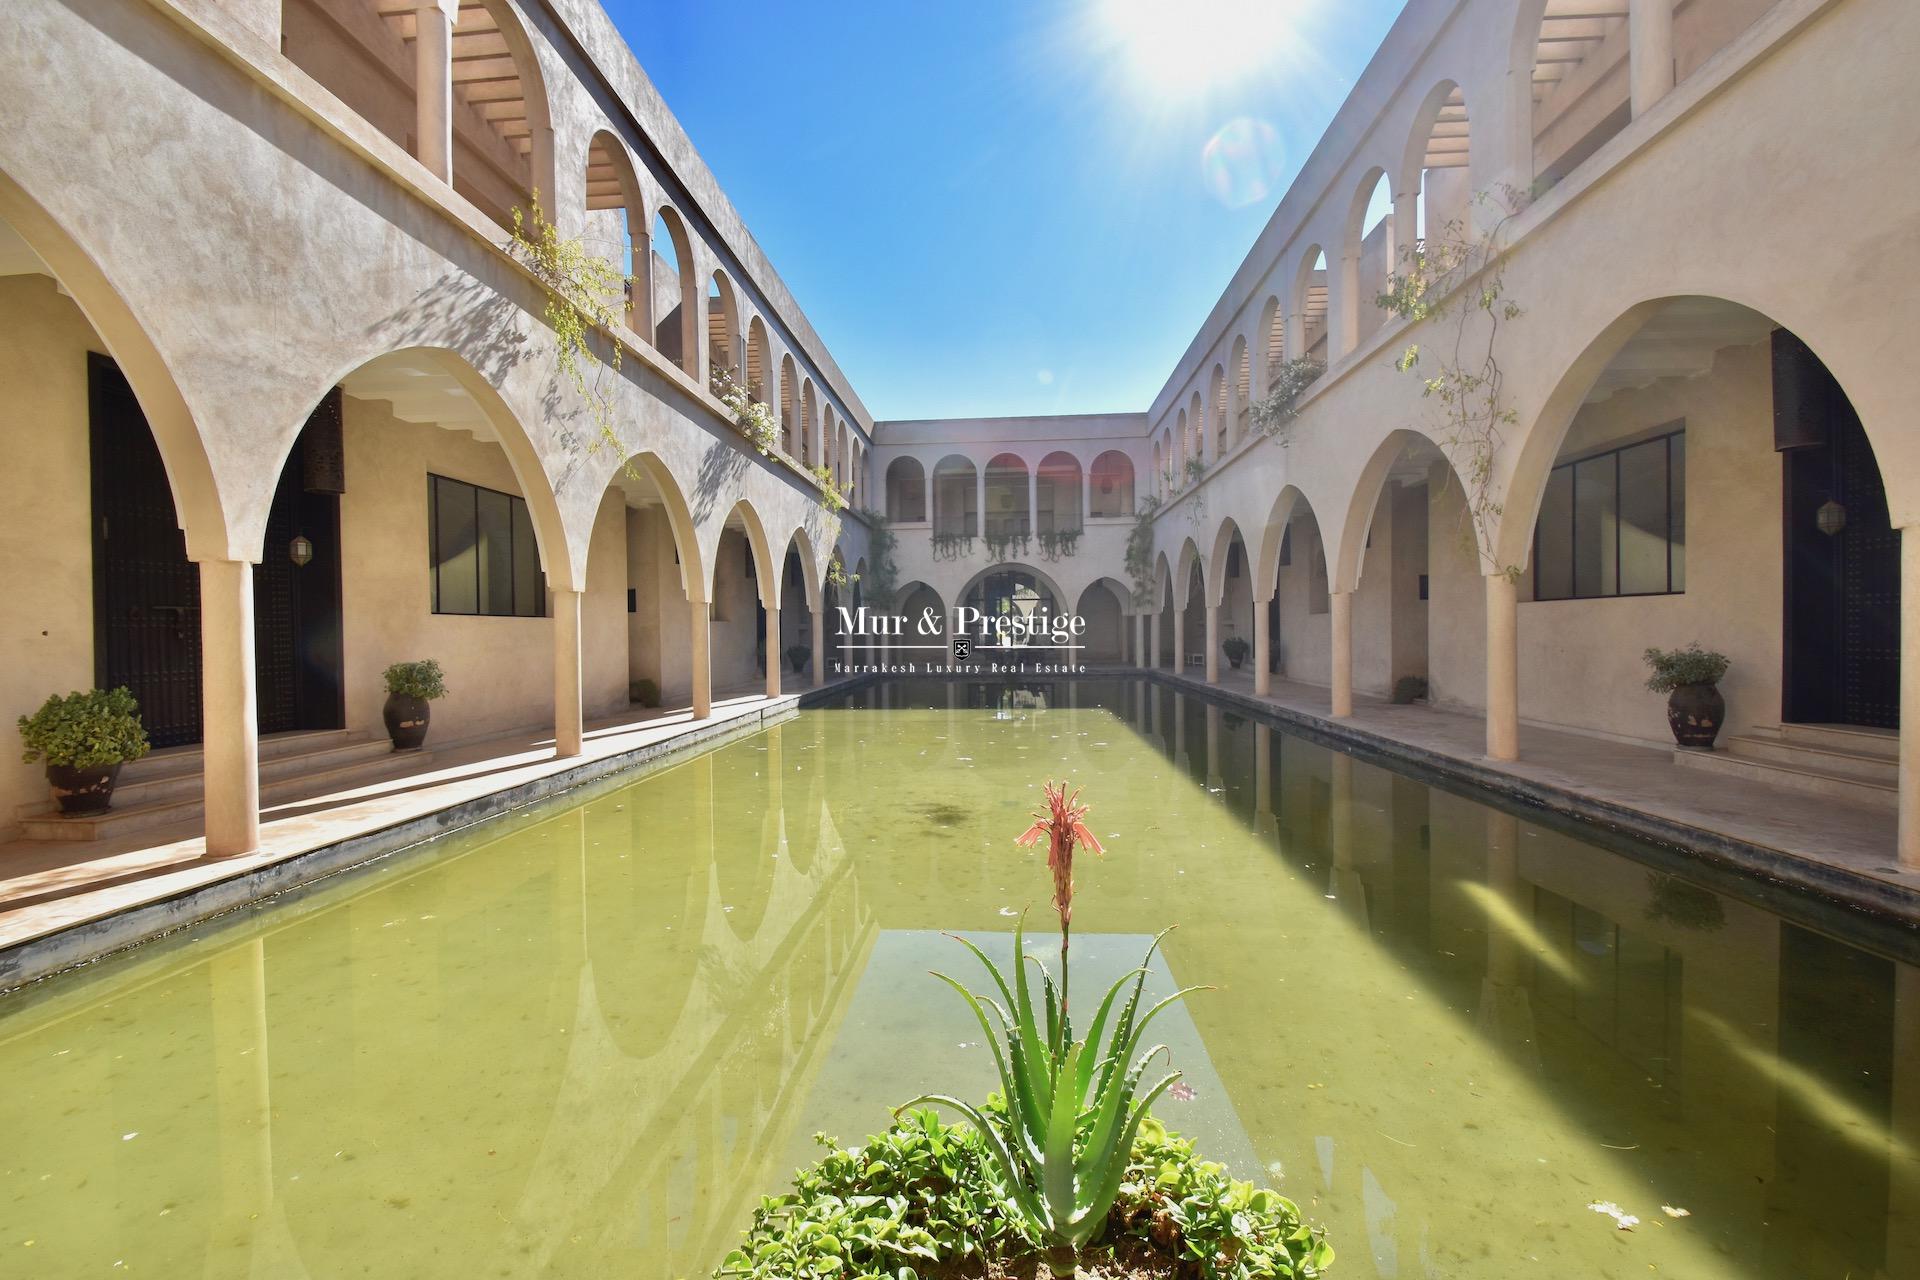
(300, 550)
(1831, 517)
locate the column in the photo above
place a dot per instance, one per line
(1650, 51)
(433, 85)
(928, 510)
(773, 651)
(1909, 768)
(1503, 668)
(1140, 655)
(569, 724)
(1341, 603)
(1406, 228)
(229, 708)
(1213, 644)
(980, 501)
(1033, 500)
(700, 658)
(1262, 651)
(1153, 651)
(819, 638)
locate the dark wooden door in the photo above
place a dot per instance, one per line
(146, 593)
(1842, 597)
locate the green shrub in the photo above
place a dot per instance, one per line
(921, 1199)
(416, 680)
(644, 693)
(1673, 668)
(85, 730)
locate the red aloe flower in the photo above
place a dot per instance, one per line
(1063, 823)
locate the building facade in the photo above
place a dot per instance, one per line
(287, 403)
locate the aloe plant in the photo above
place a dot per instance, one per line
(1072, 1106)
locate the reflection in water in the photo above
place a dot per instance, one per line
(583, 1041)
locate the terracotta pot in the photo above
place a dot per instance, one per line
(1695, 713)
(407, 719)
(83, 791)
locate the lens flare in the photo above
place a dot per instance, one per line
(1242, 162)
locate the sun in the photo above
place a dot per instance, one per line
(1182, 47)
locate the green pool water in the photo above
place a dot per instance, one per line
(582, 1040)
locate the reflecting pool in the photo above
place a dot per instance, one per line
(582, 1040)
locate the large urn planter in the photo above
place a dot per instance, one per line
(797, 656)
(1236, 650)
(1690, 678)
(408, 718)
(84, 738)
(1695, 713)
(411, 689)
(82, 792)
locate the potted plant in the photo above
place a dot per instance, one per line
(1236, 650)
(411, 689)
(1695, 709)
(797, 655)
(84, 739)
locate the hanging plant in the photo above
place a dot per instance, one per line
(753, 417)
(882, 572)
(585, 295)
(1056, 543)
(1006, 546)
(1140, 550)
(1278, 408)
(949, 546)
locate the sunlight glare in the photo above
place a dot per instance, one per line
(1189, 45)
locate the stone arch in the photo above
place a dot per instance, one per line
(696, 576)
(1058, 482)
(1363, 269)
(1105, 638)
(1110, 484)
(617, 223)
(1217, 413)
(789, 404)
(906, 497)
(1189, 558)
(765, 570)
(1273, 534)
(213, 532)
(1273, 339)
(1216, 566)
(800, 542)
(1309, 300)
(809, 415)
(1349, 554)
(1241, 366)
(561, 557)
(759, 361)
(1440, 139)
(675, 299)
(1006, 479)
(1197, 429)
(1178, 458)
(722, 320)
(955, 495)
(1040, 576)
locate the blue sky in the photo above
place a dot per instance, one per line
(1004, 206)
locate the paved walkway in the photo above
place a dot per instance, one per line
(54, 888)
(1837, 847)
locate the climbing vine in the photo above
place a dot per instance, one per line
(882, 571)
(1140, 550)
(1458, 277)
(1275, 411)
(585, 295)
(830, 495)
(752, 416)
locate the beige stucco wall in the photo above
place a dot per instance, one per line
(46, 539)
(499, 670)
(1580, 660)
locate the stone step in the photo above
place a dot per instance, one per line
(1847, 738)
(297, 784)
(139, 787)
(1779, 774)
(1882, 769)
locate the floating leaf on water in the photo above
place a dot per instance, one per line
(1673, 1211)
(1621, 1218)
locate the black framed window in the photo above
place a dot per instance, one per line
(1615, 523)
(482, 553)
